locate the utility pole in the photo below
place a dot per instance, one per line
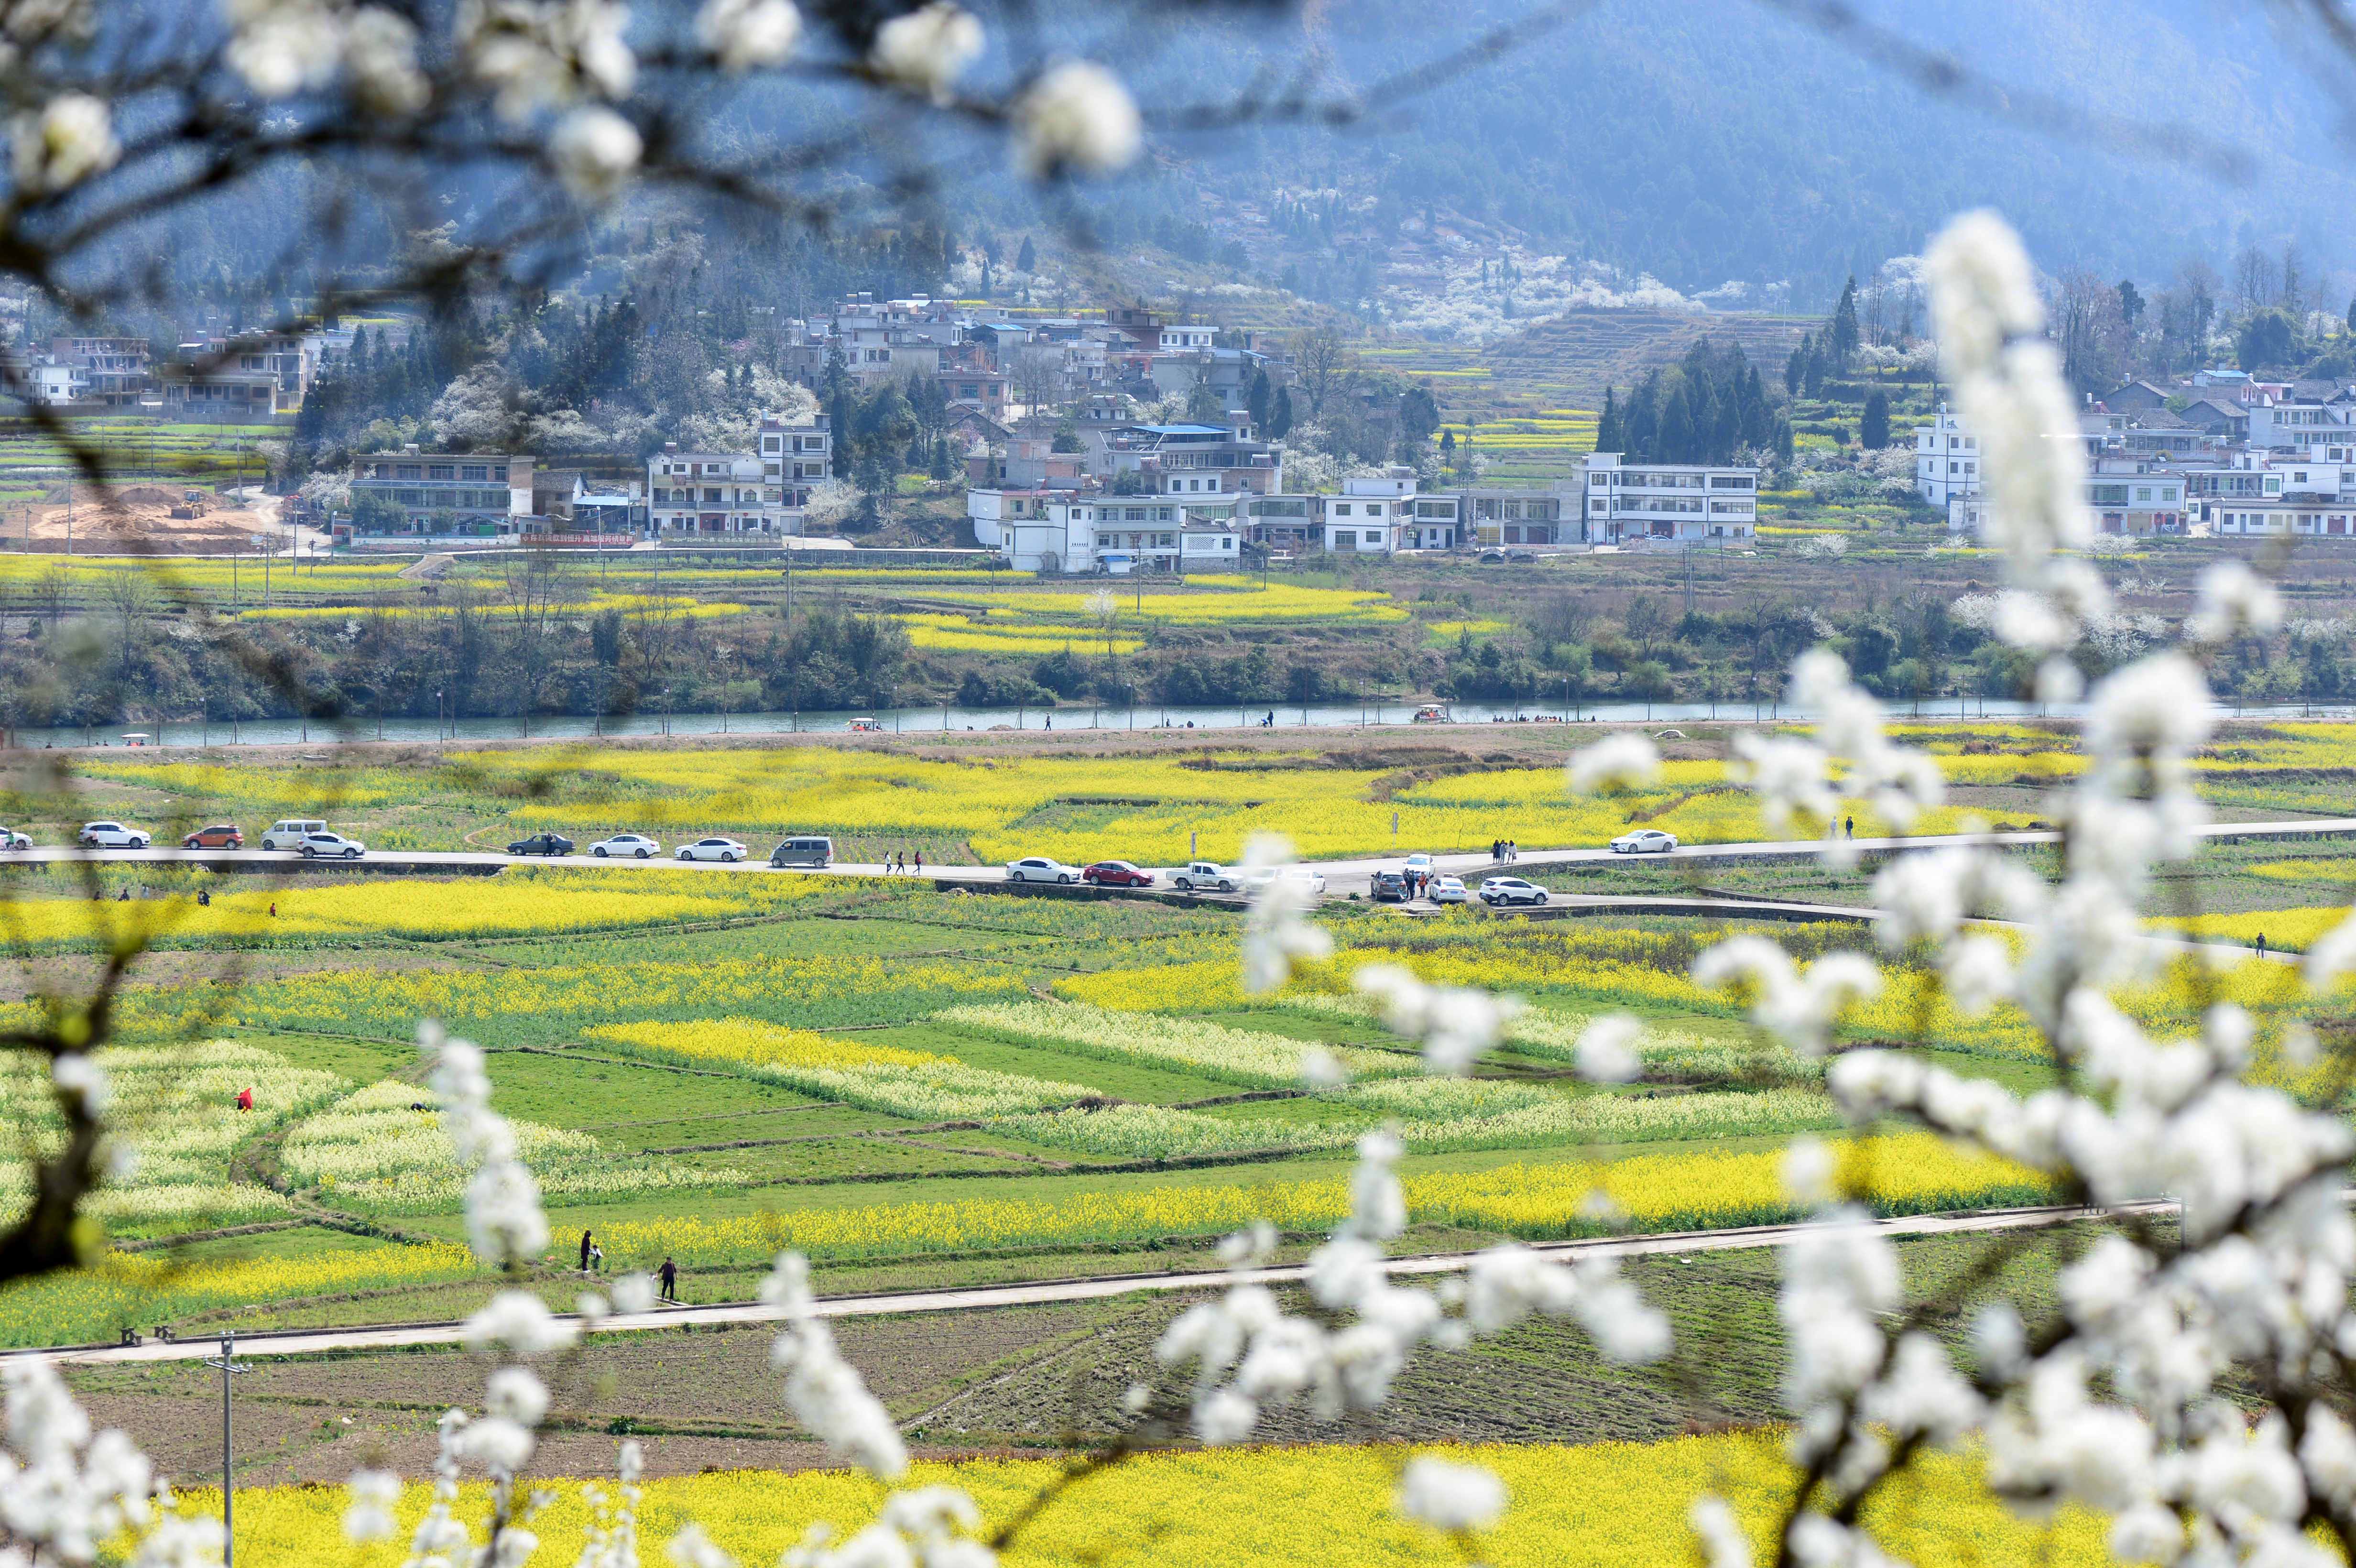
(229, 1367)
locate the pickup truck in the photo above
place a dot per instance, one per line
(1205, 876)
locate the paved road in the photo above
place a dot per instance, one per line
(1341, 876)
(306, 1342)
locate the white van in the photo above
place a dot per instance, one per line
(290, 834)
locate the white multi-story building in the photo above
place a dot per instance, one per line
(796, 456)
(1669, 503)
(2302, 418)
(1946, 460)
(715, 495)
(1370, 514)
(1075, 532)
(2126, 494)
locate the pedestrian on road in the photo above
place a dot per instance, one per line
(2261, 942)
(670, 1280)
(1848, 825)
(584, 1251)
(1512, 850)
(920, 862)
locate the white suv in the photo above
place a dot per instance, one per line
(330, 846)
(1207, 875)
(290, 834)
(113, 836)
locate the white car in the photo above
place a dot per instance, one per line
(12, 840)
(330, 846)
(1499, 891)
(1419, 862)
(723, 849)
(1449, 890)
(1041, 868)
(1308, 879)
(637, 846)
(113, 836)
(1644, 841)
(1207, 875)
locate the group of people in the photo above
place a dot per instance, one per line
(1419, 881)
(1505, 849)
(593, 1261)
(893, 867)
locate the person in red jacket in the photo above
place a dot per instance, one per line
(245, 1099)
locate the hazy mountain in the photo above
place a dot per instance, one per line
(1723, 139)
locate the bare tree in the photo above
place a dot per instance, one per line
(1319, 363)
(2253, 279)
(2092, 329)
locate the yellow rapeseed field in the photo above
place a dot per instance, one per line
(1608, 1505)
(1904, 1173)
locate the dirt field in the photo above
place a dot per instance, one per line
(139, 518)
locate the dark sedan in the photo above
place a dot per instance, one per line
(542, 844)
(1389, 886)
(1116, 874)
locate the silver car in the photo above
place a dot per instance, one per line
(726, 850)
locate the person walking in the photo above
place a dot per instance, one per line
(920, 862)
(1848, 825)
(2262, 944)
(584, 1251)
(670, 1280)
(245, 1097)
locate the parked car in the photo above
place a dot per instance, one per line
(289, 834)
(12, 840)
(1041, 868)
(1644, 841)
(1116, 874)
(223, 835)
(1308, 877)
(722, 849)
(638, 846)
(1206, 876)
(1500, 891)
(803, 851)
(1390, 888)
(330, 846)
(865, 726)
(542, 844)
(112, 836)
(1419, 862)
(1449, 890)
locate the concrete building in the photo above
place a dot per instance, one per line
(470, 495)
(1189, 460)
(116, 370)
(715, 495)
(1946, 460)
(1523, 516)
(1669, 503)
(796, 456)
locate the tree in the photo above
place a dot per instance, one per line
(2267, 338)
(2092, 330)
(1203, 403)
(1319, 363)
(1873, 428)
(1419, 414)
(2253, 280)
(1841, 335)
(1280, 415)
(2131, 302)
(1027, 259)
(1609, 435)
(1257, 398)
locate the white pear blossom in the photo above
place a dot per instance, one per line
(1279, 935)
(536, 54)
(596, 152)
(926, 50)
(374, 1495)
(1625, 761)
(2235, 602)
(1448, 1495)
(745, 34)
(504, 1219)
(1455, 1025)
(1078, 118)
(826, 1392)
(1606, 1050)
(70, 139)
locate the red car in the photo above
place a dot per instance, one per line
(224, 837)
(1116, 874)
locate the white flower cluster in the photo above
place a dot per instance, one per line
(1249, 1357)
(567, 54)
(1799, 1009)
(1078, 118)
(826, 1392)
(1795, 778)
(2008, 387)
(67, 140)
(1278, 932)
(926, 51)
(65, 1492)
(504, 1222)
(284, 46)
(1625, 761)
(1455, 1025)
(745, 34)
(613, 1532)
(930, 1527)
